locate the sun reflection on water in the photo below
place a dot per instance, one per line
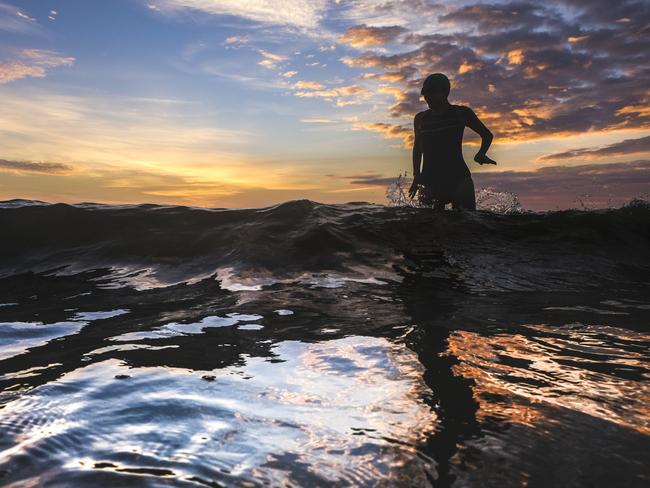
(598, 371)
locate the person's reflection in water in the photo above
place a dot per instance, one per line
(431, 305)
(444, 177)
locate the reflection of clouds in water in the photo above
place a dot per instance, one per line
(99, 315)
(595, 370)
(230, 280)
(174, 329)
(130, 347)
(18, 337)
(331, 405)
(284, 312)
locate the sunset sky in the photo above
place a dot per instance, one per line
(237, 103)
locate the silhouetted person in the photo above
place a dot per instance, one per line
(444, 177)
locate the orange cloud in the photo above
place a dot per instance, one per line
(31, 62)
(389, 76)
(388, 131)
(14, 71)
(271, 60)
(516, 56)
(398, 93)
(343, 95)
(465, 68)
(641, 109)
(361, 36)
(308, 85)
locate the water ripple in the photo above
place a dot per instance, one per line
(321, 412)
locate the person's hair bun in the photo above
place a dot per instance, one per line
(436, 83)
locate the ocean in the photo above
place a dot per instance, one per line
(309, 345)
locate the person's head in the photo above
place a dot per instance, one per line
(435, 88)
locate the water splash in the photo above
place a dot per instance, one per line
(397, 192)
(501, 202)
(487, 199)
(642, 202)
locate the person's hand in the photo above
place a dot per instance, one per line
(483, 159)
(414, 186)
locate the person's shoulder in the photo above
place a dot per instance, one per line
(417, 120)
(419, 115)
(463, 109)
(465, 112)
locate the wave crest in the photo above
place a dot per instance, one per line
(311, 243)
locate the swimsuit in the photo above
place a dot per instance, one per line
(441, 139)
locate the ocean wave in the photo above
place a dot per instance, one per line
(318, 243)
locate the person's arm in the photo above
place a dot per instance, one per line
(417, 158)
(474, 123)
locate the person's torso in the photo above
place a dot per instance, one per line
(441, 139)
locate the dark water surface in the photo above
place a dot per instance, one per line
(323, 345)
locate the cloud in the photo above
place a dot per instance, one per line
(174, 135)
(492, 16)
(305, 14)
(361, 36)
(372, 179)
(42, 57)
(628, 146)
(308, 85)
(13, 19)
(34, 167)
(529, 69)
(14, 71)
(393, 12)
(289, 74)
(554, 187)
(271, 60)
(388, 131)
(341, 95)
(31, 62)
(24, 16)
(317, 121)
(234, 41)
